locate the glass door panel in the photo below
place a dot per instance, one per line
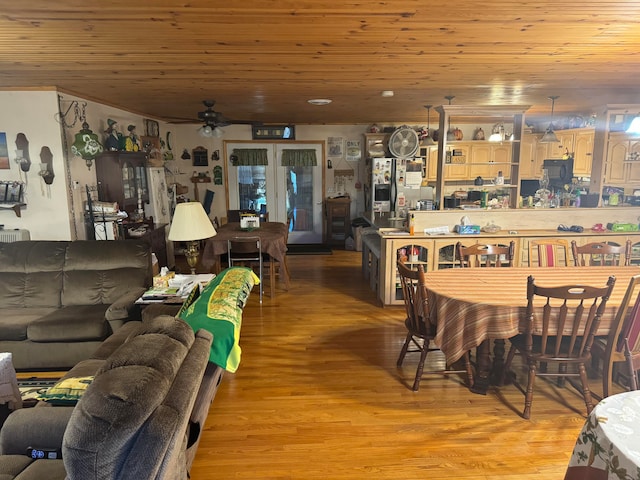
(280, 190)
(303, 198)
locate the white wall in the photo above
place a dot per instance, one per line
(97, 115)
(33, 113)
(187, 137)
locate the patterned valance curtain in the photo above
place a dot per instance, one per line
(249, 157)
(299, 158)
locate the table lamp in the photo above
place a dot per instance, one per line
(191, 224)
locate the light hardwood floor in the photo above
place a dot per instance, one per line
(318, 396)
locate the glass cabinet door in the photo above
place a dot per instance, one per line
(128, 181)
(141, 182)
(635, 253)
(412, 254)
(446, 255)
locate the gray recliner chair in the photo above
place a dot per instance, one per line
(140, 418)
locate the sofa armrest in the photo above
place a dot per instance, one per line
(41, 427)
(122, 309)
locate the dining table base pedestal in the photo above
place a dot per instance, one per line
(488, 372)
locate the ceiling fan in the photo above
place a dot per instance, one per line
(212, 120)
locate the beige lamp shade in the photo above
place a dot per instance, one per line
(190, 222)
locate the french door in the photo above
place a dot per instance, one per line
(282, 191)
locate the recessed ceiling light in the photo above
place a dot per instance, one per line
(387, 93)
(319, 101)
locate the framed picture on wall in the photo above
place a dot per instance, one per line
(151, 128)
(4, 152)
(200, 157)
(151, 146)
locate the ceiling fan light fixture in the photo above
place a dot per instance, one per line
(218, 132)
(206, 131)
(427, 140)
(550, 136)
(319, 101)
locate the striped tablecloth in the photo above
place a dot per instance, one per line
(474, 305)
(272, 236)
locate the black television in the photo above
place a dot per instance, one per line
(560, 172)
(529, 187)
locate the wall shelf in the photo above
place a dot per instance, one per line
(16, 207)
(452, 171)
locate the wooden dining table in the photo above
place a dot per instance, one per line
(473, 306)
(273, 238)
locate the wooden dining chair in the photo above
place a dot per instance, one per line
(485, 255)
(631, 366)
(601, 254)
(233, 216)
(560, 326)
(290, 226)
(549, 252)
(247, 252)
(420, 330)
(625, 328)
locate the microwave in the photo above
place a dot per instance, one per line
(560, 171)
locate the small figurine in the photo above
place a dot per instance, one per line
(131, 142)
(112, 142)
(479, 134)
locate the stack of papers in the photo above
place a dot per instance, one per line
(436, 230)
(180, 286)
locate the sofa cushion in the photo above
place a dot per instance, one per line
(12, 465)
(74, 324)
(103, 275)
(44, 470)
(15, 321)
(31, 273)
(218, 310)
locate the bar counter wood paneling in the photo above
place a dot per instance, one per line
(435, 252)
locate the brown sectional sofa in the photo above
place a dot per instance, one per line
(59, 300)
(142, 414)
(140, 418)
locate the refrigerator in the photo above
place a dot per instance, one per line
(398, 183)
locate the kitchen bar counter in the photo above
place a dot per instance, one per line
(436, 252)
(511, 219)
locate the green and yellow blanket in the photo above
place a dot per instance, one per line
(218, 310)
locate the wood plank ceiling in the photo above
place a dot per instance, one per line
(261, 60)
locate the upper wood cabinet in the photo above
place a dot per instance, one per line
(583, 153)
(621, 169)
(483, 159)
(122, 178)
(576, 141)
(530, 166)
